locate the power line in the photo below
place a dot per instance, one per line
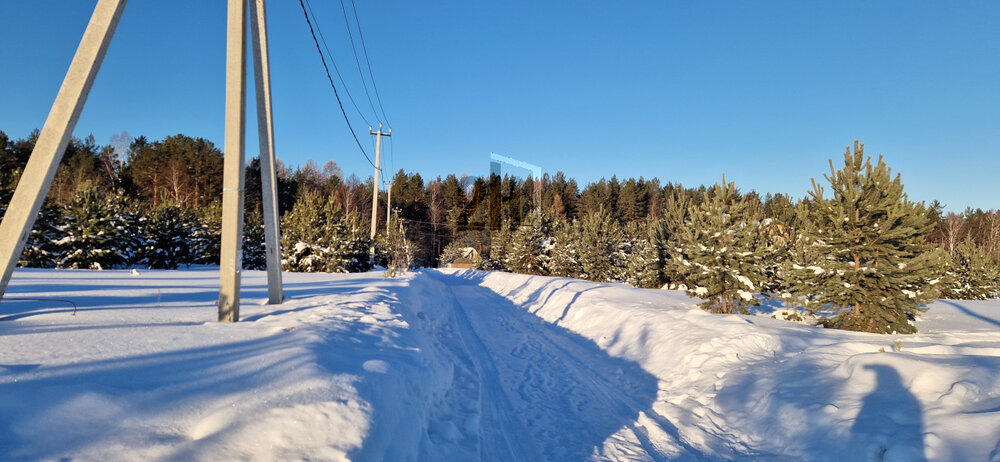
(354, 49)
(368, 61)
(336, 68)
(330, 78)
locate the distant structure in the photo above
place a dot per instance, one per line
(468, 259)
(501, 165)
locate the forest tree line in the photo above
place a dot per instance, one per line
(157, 203)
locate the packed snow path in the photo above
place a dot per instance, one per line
(467, 365)
(544, 392)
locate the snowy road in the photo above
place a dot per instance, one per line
(546, 393)
(470, 366)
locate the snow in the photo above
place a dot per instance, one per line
(468, 365)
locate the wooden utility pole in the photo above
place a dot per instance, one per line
(378, 148)
(55, 135)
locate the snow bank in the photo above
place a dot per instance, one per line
(755, 387)
(455, 365)
(144, 371)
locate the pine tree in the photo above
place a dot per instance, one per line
(8, 180)
(131, 238)
(394, 249)
(792, 281)
(499, 248)
(876, 267)
(206, 235)
(254, 252)
(671, 232)
(565, 259)
(642, 267)
(973, 274)
(42, 249)
(600, 245)
(531, 245)
(304, 237)
(167, 232)
(717, 249)
(91, 237)
(318, 237)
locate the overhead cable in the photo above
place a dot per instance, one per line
(336, 68)
(328, 77)
(368, 61)
(358, 60)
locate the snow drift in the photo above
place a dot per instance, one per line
(467, 365)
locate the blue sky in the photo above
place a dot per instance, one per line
(764, 92)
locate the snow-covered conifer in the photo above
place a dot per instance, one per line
(642, 267)
(91, 233)
(206, 235)
(395, 251)
(318, 237)
(254, 256)
(716, 248)
(42, 249)
(531, 245)
(600, 247)
(973, 274)
(167, 232)
(565, 258)
(875, 268)
(500, 241)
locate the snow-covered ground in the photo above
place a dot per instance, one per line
(466, 365)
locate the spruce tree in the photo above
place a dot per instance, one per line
(877, 268)
(717, 249)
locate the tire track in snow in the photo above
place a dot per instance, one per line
(549, 395)
(496, 424)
